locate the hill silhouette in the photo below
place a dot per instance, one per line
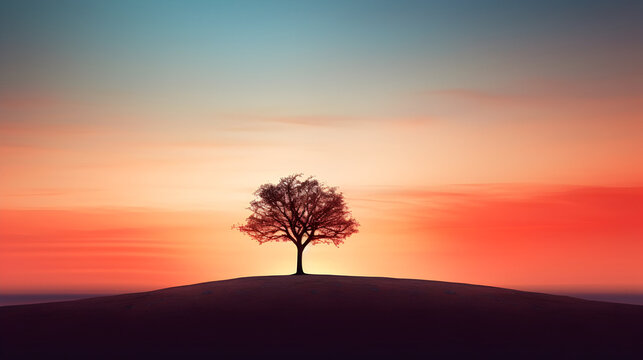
(317, 316)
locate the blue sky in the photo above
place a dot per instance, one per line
(305, 56)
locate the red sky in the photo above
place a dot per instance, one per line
(119, 204)
(525, 236)
(479, 144)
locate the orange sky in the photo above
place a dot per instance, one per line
(498, 146)
(523, 236)
(93, 208)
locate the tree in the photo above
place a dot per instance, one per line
(302, 212)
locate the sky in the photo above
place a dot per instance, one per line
(488, 142)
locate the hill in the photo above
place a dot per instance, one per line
(317, 316)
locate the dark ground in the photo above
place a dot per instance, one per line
(322, 316)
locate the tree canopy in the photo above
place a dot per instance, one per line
(300, 211)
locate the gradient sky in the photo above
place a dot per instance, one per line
(489, 142)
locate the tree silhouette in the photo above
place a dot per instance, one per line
(303, 212)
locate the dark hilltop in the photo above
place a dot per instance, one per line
(318, 316)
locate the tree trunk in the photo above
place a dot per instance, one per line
(300, 268)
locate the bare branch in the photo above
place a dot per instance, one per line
(303, 212)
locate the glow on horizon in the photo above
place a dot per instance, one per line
(467, 153)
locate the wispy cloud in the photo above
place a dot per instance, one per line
(39, 192)
(262, 122)
(579, 236)
(41, 247)
(522, 212)
(532, 95)
(30, 101)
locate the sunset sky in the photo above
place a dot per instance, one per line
(488, 142)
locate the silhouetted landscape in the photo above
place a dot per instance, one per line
(149, 144)
(322, 315)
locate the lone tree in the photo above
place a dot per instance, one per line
(303, 212)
